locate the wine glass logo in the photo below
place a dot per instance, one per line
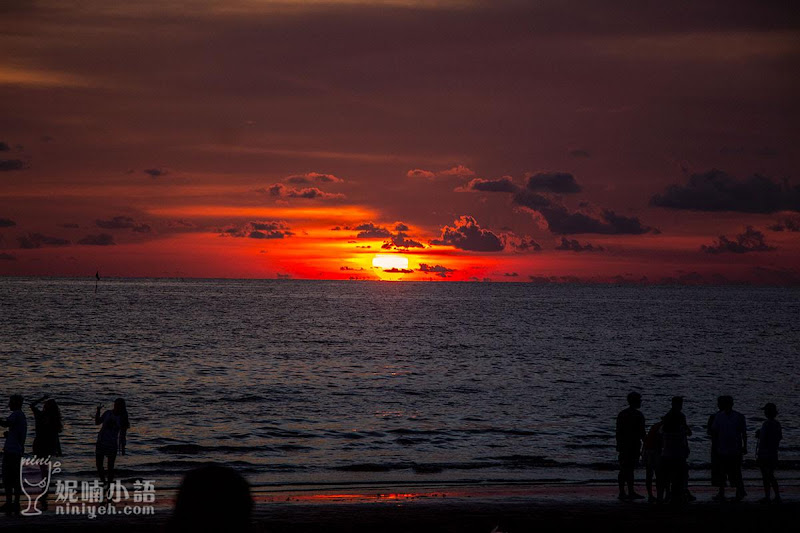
(34, 476)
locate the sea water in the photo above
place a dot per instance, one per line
(325, 382)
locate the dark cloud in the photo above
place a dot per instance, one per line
(266, 235)
(7, 257)
(269, 226)
(369, 230)
(504, 184)
(7, 223)
(398, 270)
(325, 178)
(531, 200)
(557, 182)
(561, 221)
(309, 193)
(122, 222)
(401, 240)
(37, 240)
(574, 246)
(439, 270)
(510, 275)
(620, 224)
(731, 150)
(104, 239)
(353, 269)
(580, 153)
(70, 225)
(267, 229)
(116, 223)
(7, 165)
(790, 224)
(4, 147)
(311, 177)
(751, 240)
(181, 224)
(522, 244)
(273, 190)
(155, 172)
(766, 151)
(397, 240)
(717, 191)
(466, 234)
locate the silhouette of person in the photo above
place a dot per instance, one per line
(630, 433)
(13, 449)
(111, 438)
(651, 457)
(769, 436)
(212, 498)
(717, 473)
(730, 429)
(675, 450)
(46, 443)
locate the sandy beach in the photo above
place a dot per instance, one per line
(467, 509)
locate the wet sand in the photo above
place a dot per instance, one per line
(468, 509)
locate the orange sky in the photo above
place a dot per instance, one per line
(502, 141)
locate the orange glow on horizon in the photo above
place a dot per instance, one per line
(332, 213)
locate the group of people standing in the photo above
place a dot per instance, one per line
(664, 450)
(111, 439)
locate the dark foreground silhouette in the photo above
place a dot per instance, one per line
(212, 498)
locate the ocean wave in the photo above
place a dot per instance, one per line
(197, 449)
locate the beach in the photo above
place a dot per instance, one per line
(469, 509)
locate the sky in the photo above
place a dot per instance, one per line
(540, 141)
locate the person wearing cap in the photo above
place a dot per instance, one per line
(630, 434)
(768, 438)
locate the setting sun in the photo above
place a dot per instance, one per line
(389, 262)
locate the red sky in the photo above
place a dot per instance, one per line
(510, 141)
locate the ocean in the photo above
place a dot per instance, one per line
(327, 383)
